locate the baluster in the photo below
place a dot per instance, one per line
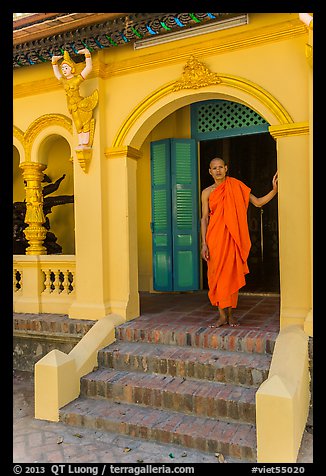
(18, 283)
(65, 282)
(72, 283)
(56, 282)
(15, 281)
(47, 282)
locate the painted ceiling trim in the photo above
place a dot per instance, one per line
(110, 33)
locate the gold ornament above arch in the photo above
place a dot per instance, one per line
(196, 75)
(47, 120)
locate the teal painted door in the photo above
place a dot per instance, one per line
(175, 219)
(161, 215)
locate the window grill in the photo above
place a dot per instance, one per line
(216, 119)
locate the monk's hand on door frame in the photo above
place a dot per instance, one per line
(275, 182)
(205, 252)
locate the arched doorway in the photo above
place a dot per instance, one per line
(291, 138)
(179, 171)
(257, 173)
(55, 152)
(240, 136)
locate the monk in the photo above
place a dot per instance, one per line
(225, 237)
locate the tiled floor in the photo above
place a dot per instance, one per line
(259, 312)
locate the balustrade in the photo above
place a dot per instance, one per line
(49, 283)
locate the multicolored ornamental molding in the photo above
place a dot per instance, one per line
(111, 33)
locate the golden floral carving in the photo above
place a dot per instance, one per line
(196, 75)
(35, 235)
(34, 206)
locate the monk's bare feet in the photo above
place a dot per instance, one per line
(233, 321)
(222, 320)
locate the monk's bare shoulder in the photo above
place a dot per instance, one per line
(206, 192)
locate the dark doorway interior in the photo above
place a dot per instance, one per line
(253, 160)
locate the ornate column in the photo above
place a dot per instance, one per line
(35, 232)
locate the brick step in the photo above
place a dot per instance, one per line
(35, 335)
(206, 434)
(50, 324)
(196, 397)
(239, 368)
(224, 338)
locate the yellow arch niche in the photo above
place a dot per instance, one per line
(244, 85)
(47, 120)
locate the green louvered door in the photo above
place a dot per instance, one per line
(161, 215)
(175, 220)
(184, 183)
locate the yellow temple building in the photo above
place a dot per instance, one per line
(127, 151)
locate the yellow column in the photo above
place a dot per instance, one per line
(91, 222)
(35, 232)
(122, 165)
(294, 222)
(106, 233)
(308, 324)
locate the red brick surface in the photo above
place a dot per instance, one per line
(172, 378)
(198, 397)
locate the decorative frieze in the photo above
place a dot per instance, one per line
(111, 33)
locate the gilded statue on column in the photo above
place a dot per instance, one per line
(81, 108)
(34, 206)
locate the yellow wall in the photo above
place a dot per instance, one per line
(269, 72)
(262, 65)
(254, 51)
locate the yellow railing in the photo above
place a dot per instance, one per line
(58, 374)
(44, 283)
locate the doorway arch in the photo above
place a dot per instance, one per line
(292, 141)
(166, 100)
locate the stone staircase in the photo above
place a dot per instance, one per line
(195, 388)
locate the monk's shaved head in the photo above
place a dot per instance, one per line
(216, 158)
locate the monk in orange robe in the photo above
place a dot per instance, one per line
(225, 237)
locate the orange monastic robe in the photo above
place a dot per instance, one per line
(228, 242)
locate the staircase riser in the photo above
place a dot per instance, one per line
(207, 339)
(154, 433)
(190, 404)
(239, 375)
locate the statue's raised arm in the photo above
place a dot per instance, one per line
(88, 62)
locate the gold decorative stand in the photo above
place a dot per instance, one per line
(35, 232)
